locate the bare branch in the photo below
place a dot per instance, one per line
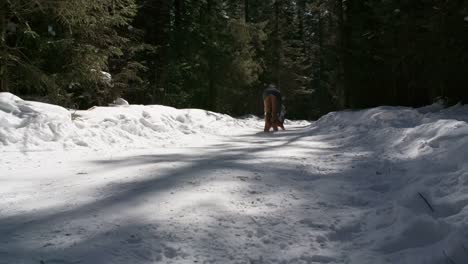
(427, 202)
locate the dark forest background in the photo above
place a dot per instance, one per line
(219, 55)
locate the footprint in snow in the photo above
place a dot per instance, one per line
(319, 259)
(312, 224)
(59, 261)
(134, 240)
(242, 178)
(170, 252)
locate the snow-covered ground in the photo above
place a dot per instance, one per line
(153, 184)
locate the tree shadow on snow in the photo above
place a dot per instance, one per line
(298, 211)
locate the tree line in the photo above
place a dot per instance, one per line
(220, 54)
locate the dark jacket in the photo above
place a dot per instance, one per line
(275, 92)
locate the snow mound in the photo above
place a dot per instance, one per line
(375, 118)
(27, 124)
(419, 190)
(119, 101)
(32, 126)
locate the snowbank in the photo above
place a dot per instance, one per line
(418, 155)
(28, 125)
(33, 126)
(392, 181)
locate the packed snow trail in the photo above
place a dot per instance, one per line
(234, 202)
(344, 189)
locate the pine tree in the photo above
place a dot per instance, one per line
(60, 49)
(95, 29)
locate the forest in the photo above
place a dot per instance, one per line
(219, 55)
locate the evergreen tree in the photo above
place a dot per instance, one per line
(60, 49)
(219, 55)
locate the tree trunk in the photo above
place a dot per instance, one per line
(277, 46)
(178, 29)
(212, 91)
(160, 37)
(342, 94)
(246, 11)
(3, 48)
(353, 87)
(300, 15)
(177, 14)
(320, 41)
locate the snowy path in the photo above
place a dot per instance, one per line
(207, 188)
(242, 200)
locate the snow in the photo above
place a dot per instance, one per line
(119, 101)
(33, 126)
(154, 184)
